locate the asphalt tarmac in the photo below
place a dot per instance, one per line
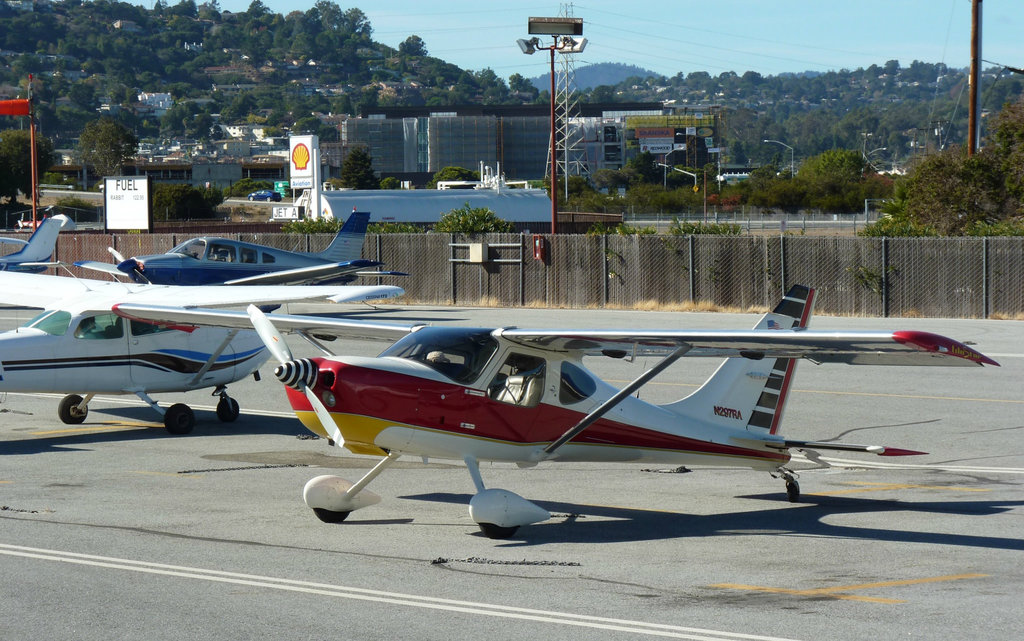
(114, 529)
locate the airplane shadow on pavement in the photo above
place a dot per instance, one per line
(122, 424)
(570, 522)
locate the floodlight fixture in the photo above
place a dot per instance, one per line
(555, 26)
(529, 47)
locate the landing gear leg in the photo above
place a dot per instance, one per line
(178, 418)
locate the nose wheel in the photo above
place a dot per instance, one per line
(227, 408)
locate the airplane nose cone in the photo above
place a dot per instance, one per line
(297, 373)
(130, 265)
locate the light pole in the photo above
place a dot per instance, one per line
(562, 31)
(792, 165)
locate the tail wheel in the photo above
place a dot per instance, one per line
(792, 491)
(227, 409)
(179, 419)
(69, 412)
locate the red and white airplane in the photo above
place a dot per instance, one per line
(525, 396)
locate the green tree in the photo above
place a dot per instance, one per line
(452, 173)
(16, 162)
(472, 220)
(184, 202)
(413, 46)
(950, 192)
(106, 145)
(357, 170)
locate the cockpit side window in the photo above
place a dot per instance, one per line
(222, 252)
(247, 254)
(52, 322)
(520, 381)
(140, 328)
(99, 327)
(576, 384)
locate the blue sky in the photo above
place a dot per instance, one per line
(670, 36)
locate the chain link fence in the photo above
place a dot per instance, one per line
(933, 277)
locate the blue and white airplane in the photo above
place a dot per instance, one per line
(79, 346)
(38, 249)
(220, 261)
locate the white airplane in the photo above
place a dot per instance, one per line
(38, 249)
(77, 345)
(525, 396)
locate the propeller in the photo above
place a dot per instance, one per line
(132, 266)
(299, 374)
(116, 254)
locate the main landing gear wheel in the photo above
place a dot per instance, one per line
(493, 531)
(227, 409)
(69, 412)
(179, 419)
(330, 516)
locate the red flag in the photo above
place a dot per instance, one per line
(14, 107)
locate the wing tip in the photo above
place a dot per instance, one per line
(939, 344)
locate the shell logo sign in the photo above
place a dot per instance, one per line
(300, 156)
(303, 164)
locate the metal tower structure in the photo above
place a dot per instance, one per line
(571, 157)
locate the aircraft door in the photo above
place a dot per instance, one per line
(161, 357)
(96, 355)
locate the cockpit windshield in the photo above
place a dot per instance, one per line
(194, 248)
(460, 353)
(53, 322)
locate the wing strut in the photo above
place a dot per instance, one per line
(213, 357)
(608, 405)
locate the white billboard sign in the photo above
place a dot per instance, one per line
(126, 202)
(656, 145)
(301, 165)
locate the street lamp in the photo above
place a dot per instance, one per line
(562, 31)
(792, 165)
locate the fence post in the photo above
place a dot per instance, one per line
(604, 267)
(693, 277)
(884, 281)
(451, 266)
(984, 278)
(782, 261)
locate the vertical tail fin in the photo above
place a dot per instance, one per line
(348, 244)
(42, 241)
(753, 392)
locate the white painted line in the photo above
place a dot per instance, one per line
(380, 596)
(937, 467)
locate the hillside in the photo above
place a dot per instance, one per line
(182, 71)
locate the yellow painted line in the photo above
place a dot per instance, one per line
(106, 427)
(881, 487)
(2, 482)
(839, 592)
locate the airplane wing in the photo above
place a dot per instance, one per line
(285, 323)
(820, 346)
(302, 275)
(106, 268)
(43, 290)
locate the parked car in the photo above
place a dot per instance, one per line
(265, 194)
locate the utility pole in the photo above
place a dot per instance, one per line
(973, 133)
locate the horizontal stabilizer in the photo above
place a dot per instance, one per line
(785, 444)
